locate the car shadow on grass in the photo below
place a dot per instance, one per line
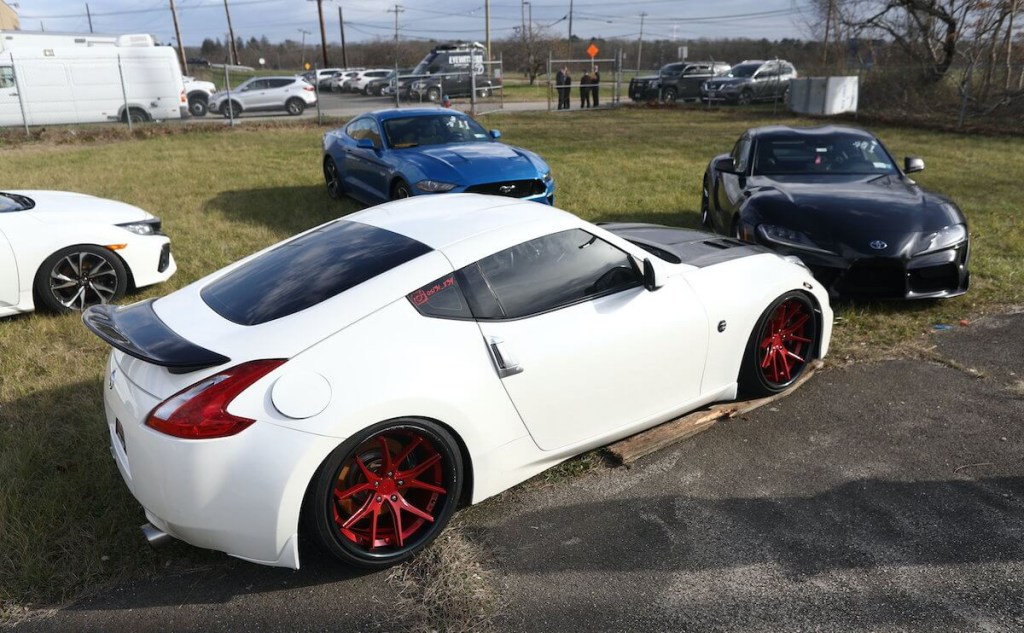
(288, 210)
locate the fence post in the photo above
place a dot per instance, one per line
(21, 99)
(124, 93)
(472, 86)
(549, 80)
(227, 90)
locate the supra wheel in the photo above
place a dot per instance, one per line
(74, 278)
(400, 190)
(745, 98)
(705, 204)
(197, 106)
(670, 95)
(781, 346)
(295, 107)
(332, 178)
(385, 493)
(231, 109)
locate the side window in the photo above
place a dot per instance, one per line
(740, 154)
(355, 129)
(281, 83)
(373, 132)
(441, 298)
(6, 77)
(545, 274)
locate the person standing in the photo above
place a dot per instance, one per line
(595, 84)
(585, 82)
(563, 84)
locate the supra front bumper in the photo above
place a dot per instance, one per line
(241, 494)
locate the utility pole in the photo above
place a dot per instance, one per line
(640, 46)
(828, 25)
(344, 53)
(88, 15)
(487, 28)
(398, 9)
(323, 32)
(302, 64)
(177, 34)
(570, 29)
(232, 49)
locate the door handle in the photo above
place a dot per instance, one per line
(503, 361)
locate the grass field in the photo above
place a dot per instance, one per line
(66, 519)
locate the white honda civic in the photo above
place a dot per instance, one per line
(67, 251)
(370, 375)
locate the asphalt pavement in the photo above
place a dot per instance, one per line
(882, 496)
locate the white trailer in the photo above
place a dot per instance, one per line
(66, 78)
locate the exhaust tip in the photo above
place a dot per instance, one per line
(155, 536)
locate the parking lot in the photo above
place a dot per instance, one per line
(882, 496)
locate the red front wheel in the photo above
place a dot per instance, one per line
(781, 346)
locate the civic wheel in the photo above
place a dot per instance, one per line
(197, 106)
(231, 109)
(670, 95)
(295, 107)
(705, 205)
(74, 278)
(781, 346)
(400, 190)
(333, 179)
(745, 97)
(386, 493)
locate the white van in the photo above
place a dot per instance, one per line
(62, 78)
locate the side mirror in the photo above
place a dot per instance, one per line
(912, 164)
(650, 276)
(725, 165)
(365, 143)
(495, 134)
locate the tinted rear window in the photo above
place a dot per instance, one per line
(305, 271)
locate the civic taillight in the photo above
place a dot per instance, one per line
(200, 412)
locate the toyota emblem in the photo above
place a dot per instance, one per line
(878, 245)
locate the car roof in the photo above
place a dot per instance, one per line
(769, 131)
(394, 113)
(442, 220)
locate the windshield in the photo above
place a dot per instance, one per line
(439, 129)
(15, 202)
(742, 70)
(841, 154)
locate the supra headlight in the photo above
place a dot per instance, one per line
(546, 176)
(434, 186)
(145, 227)
(787, 237)
(942, 239)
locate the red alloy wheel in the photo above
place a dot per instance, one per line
(786, 343)
(388, 490)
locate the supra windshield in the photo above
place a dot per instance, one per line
(843, 154)
(439, 129)
(743, 70)
(15, 202)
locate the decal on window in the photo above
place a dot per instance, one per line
(441, 298)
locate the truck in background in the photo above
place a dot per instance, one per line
(54, 78)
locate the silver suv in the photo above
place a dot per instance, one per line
(749, 81)
(262, 94)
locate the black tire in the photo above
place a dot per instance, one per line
(434, 94)
(670, 95)
(333, 179)
(135, 115)
(295, 107)
(745, 97)
(76, 277)
(230, 109)
(782, 345)
(400, 190)
(197, 106)
(484, 93)
(705, 204)
(360, 500)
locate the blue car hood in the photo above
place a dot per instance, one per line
(476, 162)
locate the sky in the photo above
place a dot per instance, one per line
(420, 19)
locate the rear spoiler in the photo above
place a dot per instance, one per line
(137, 331)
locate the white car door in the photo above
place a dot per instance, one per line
(10, 288)
(582, 348)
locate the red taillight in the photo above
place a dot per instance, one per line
(200, 412)
(184, 99)
(308, 88)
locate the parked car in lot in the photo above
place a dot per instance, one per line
(385, 85)
(680, 80)
(198, 94)
(364, 77)
(834, 197)
(321, 77)
(368, 376)
(397, 153)
(264, 94)
(66, 251)
(450, 69)
(750, 81)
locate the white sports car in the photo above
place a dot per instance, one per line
(68, 251)
(368, 376)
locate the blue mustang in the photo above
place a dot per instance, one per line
(391, 154)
